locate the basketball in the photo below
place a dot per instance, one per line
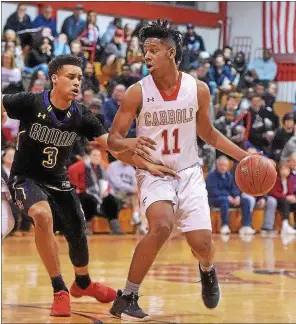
(255, 175)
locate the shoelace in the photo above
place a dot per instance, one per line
(208, 278)
(58, 297)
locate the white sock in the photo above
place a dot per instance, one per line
(285, 222)
(131, 287)
(206, 269)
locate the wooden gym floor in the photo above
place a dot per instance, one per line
(257, 278)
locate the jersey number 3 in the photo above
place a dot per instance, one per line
(52, 153)
(176, 149)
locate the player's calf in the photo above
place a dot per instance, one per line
(202, 248)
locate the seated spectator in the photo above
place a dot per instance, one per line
(19, 20)
(88, 97)
(259, 88)
(195, 44)
(90, 37)
(207, 154)
(74, 25)
(227, 53)
(61, 46)
(92, 188)
(265, 67)
(123, 183)
(110, 32)
(95, 108)
(45, 32)
(17, 51)
(225, 124)
(126, 78)
(46, 20)
(203, 73)
(9, 72)
(289, 148)
(134, 55)
(282, 136)
(76, 50)
(270, 94)
(286, 198)
(220, 77)
(224, 194)
(128, 32)
(114, 54)
(91, 33)
(37, 86)
(111, 105)
(255, 125)
(89, 79)
(37, 75)
(38, 59)
(231, 104)
(247, 81)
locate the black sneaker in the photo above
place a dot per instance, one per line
(126, 307)
(210, 288)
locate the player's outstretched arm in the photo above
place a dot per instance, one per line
(136, 160)
(207, 131)
(127, 111)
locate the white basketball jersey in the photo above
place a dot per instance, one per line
(170, 122)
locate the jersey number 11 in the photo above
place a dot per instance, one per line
(176, 148)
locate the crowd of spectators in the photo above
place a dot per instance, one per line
(243, 100)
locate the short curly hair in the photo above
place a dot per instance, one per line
(59, 61)
(161, 29)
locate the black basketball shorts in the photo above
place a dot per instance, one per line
(67, 213)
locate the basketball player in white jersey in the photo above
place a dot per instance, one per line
(171, 109)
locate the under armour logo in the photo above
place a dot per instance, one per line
(41, 115)
(144, 201)
(148, 99)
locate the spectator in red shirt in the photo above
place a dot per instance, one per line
(286, 199)
(92, 187)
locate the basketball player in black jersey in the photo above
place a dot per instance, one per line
(50, 121)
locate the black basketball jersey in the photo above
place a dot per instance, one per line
(44, 143)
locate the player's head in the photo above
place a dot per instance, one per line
(162, 45)
(65, 73)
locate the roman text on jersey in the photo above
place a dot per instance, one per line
(168, 117)
(52, 136)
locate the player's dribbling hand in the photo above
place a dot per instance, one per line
(140, 145)
(161, 171)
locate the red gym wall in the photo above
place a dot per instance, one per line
(148, 11)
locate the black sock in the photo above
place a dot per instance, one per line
(58, 284)
(83, 281)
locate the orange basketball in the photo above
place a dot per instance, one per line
(255, 175)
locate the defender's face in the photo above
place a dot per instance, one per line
(68, 81)
(156, 54)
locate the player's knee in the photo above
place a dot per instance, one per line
(204, 245)
(42, 217)
(162, 229)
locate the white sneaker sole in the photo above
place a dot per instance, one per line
(128, 318)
